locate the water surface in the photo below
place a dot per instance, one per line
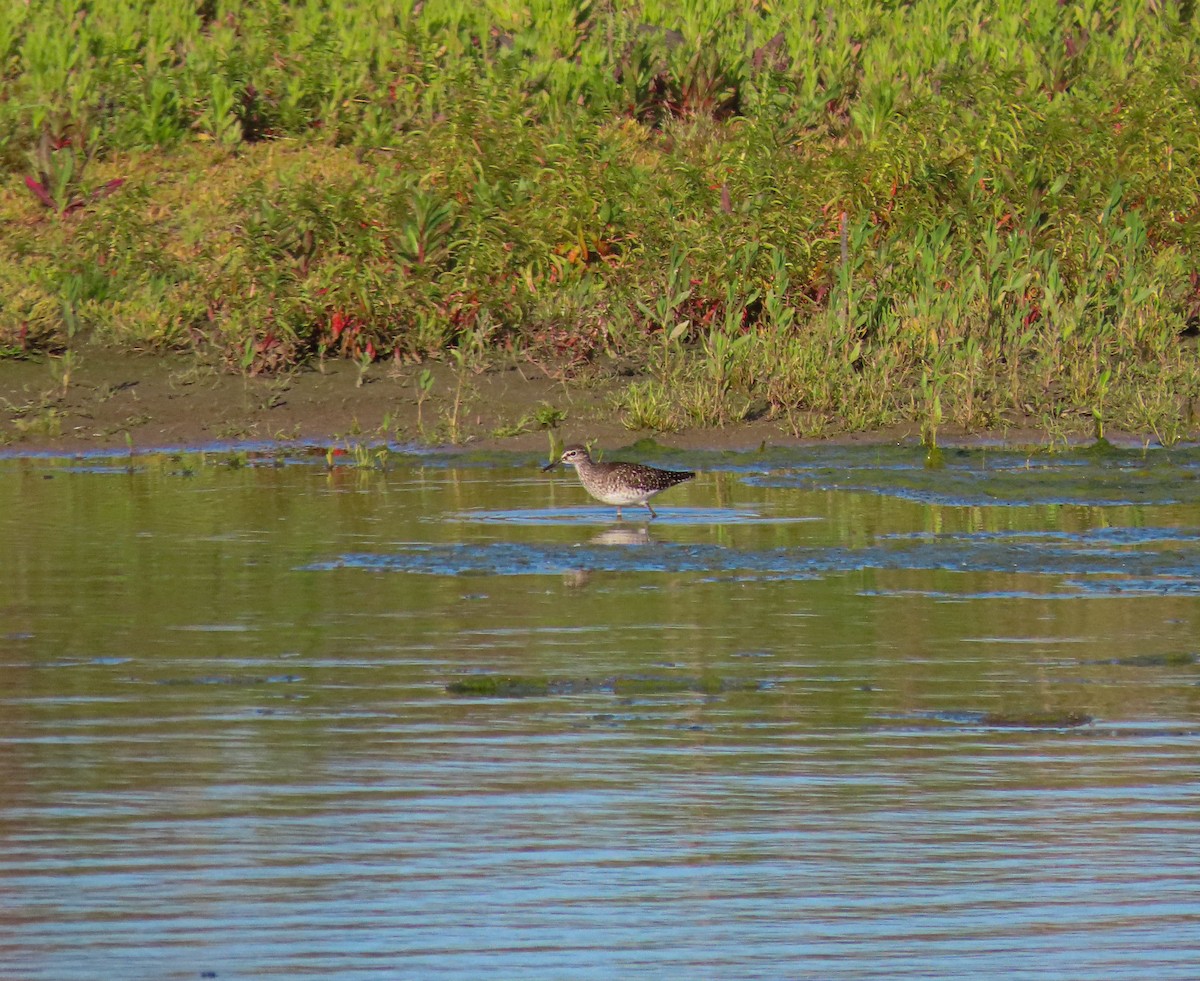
(834, 714)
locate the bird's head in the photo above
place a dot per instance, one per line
(572, 456)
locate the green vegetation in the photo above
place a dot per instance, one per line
(842, 215)
(492, 686)
(626, 686)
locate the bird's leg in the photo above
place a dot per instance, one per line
(618, 514)
(650, 509)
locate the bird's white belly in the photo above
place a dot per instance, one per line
(622, 495)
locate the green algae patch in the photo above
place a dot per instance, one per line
(1177, 659)
(1035, 720)
(499, 686)
(705, 684)
(515, 686)
(650, 686)
(233, 680)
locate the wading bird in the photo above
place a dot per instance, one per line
(621, 484)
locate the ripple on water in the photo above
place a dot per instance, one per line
(228, 759)
(1134, 567)
(982, 477)
(632, 516)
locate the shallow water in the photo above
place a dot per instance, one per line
(835, 714)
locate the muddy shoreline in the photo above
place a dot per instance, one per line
(122, 403)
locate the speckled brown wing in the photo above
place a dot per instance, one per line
(643, 478)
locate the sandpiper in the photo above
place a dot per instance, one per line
(619, 483)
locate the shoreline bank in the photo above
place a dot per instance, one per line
(113, 404)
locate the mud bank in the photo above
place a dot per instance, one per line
(147, 402)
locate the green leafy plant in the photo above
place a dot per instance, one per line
(58, 171)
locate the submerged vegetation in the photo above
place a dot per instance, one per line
(841, 215)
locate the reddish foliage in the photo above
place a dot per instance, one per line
(40, 193)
